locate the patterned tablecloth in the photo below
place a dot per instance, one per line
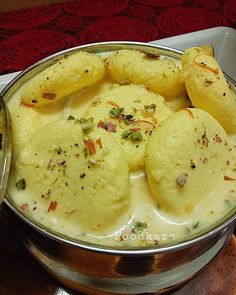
(31, 34)
(28, 35)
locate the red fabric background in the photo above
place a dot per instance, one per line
(29, 35)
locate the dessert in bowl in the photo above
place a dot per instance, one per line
(119, 169)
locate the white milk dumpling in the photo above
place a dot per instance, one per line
(70, 74)
(159, 75)
(75, 175)
(25, 121)
(207, 87)
(179, 103)
(185, 160)
(129, 113)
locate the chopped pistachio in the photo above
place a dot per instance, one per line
(71, 118)
(126, 133)
(115, 112)
(21, 184)
(138, 227)
(133, 135)
(136, 136)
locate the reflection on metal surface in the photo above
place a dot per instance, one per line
(147, 280)
(60, 291)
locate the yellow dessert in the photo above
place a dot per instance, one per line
(129, 113)
(207, 86)
(70, 74)
(186, 160)
(159, 75)
(69, 171)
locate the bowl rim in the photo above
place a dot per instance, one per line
(6, 148)
(203, 235)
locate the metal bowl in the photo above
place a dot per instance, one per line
(5, 147)
(97, 269)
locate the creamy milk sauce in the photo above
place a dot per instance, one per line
(152, 225)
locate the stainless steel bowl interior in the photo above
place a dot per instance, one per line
(5, 147)
(104, 48)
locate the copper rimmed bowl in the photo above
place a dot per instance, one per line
(97, 269)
